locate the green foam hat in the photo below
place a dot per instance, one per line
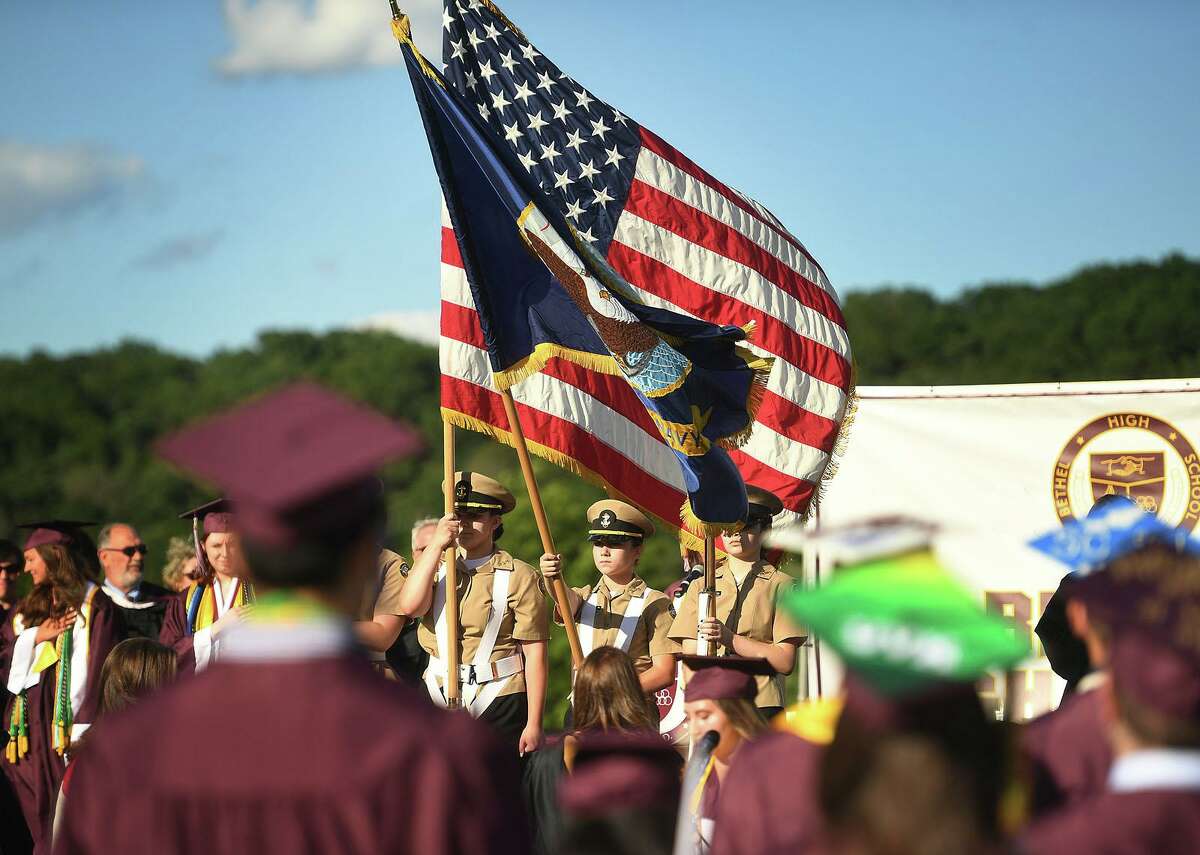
(902, 623)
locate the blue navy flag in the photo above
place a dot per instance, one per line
(543, 289)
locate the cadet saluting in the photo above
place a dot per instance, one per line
(503, 619)
(620, 610)
(747, 622)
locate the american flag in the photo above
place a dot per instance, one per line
(686, 241)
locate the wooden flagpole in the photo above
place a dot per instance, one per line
(559, 587)
(703, 646)
(453, 687)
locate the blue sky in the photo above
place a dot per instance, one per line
(191, 173)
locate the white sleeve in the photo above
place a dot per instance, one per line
(20, 672)
(203, 645)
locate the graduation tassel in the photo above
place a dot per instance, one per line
(18, 730)
(62, 695)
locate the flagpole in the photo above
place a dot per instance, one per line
(703, 646)
(453, 688)
(559, 587)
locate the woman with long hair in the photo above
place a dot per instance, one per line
(746, 621)
(720, 699)
(608, 699)
(220, 595)
(54, 647)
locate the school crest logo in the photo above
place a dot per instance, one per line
(1135, 455)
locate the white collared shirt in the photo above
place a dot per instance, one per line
(1155, 769)
(125, 600)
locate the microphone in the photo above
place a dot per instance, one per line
(687, 824)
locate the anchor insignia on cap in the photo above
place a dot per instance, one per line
(606, 519)
(461, 490)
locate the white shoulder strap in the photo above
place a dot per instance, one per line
(483, 653)
(478, 698)
(629, 622)
(587, 620)
(589, 612)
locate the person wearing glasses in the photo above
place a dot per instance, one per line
(619, 609)
(142, 604)
(182, 567)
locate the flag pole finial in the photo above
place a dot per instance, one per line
(401, 28)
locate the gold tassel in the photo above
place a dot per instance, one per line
(22, 746)
(402, 30)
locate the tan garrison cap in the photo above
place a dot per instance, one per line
(474, 491)
(762, 502)
(613, 518)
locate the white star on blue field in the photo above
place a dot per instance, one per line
(192, 173)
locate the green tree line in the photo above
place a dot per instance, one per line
(77, 432)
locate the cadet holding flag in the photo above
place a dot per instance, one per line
(746, 621)
(504, 621)
(620, 610)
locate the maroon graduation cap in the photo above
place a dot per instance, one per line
(215, 517)
(296, 463)
(617, 771)
(50, 532)
(717, 678)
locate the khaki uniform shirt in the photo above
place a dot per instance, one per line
(748, 611)
(527, 617)
(381, 597)
(650, 636)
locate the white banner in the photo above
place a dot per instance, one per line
(994, 466)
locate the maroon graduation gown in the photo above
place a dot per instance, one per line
(36, 777)
(1146, 822)
(768, 798)
(313, 756)
(1069, 751)
(176, 635)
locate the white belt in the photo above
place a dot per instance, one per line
(472, 675)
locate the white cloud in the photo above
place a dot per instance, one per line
(414, 325)
(316, 36)
(38, 183)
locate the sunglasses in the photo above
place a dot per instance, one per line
(613, 541)
(139, 549)
(10, 568)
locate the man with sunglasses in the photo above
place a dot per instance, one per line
(142, 604)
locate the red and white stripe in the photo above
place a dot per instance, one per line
(690, 244)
